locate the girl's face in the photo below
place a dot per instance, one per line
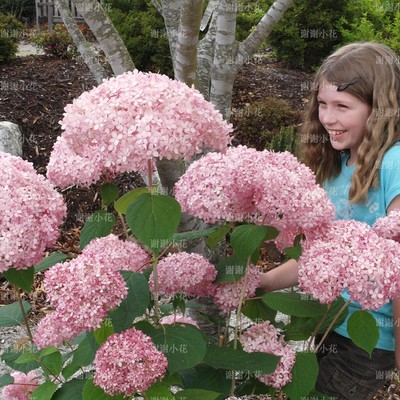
(344, 116)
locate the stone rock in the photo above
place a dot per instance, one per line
(10, 138)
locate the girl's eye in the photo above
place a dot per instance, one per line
(342, 106)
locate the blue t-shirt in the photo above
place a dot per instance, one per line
(375, 207)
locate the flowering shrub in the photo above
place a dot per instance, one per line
(31, 211)
(119, 306)
(23, 386)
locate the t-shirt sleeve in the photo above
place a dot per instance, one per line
(390, 174)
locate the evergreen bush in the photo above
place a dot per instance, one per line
(10, 32)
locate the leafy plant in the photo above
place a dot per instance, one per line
(10, 32)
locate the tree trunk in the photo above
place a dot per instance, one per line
(108, 37)
(84, 48)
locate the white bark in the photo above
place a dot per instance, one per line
(83, 46)
(108, 37)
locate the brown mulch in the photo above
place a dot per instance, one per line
(34, 91)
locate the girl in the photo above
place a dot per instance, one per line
(354, 121)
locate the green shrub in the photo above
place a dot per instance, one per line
(56, 42)
(285, 140)
(258, 124)
(21, 9)
(143, 31)
(10, 32)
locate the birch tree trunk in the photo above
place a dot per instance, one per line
(108, 37)
(83, 46)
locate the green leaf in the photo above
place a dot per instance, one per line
(11, 314)
(197, 394)
(183, 345)
(192, 235)
(246, 239)
(304, 376)
(159, 390)
(51, 260)
(47, 351)
(207, 378)
(293, 304)
(258, 311)
(22, 278)
(9, 357)
(5, 380)
(107, 329)
(99, 224)
(121, 205)
(25, 358)
(83, 355)
(239, 360)
(93, 392)
(293, 252)
(45, 391)
(154, 219)
(109, 192)
(52, 363)
(218, 235)
(363, 330)
(135, 304)
(230, 269)
(72, 390)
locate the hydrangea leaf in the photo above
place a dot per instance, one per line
(45, 391)
(9, 357)
(154, 219)
(257, 310)
(363, 330)
(121, 205)
(230, 269)
(304, 376)
(101, 334)
(22, 278)
(239, 360)
(293, 304)
(109, 192)
(52, 363)
(5, 380)
(11, 314)
(159, 390)
(48, 262)
(99, 224)
(246, 239)
(93, 392)
(135, 304)
(72, 390)
(218, 235)
(199, 394)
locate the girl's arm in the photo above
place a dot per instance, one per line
(284, 276)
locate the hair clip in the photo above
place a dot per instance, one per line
(344, 86)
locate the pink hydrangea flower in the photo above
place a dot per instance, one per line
(248, 185)
(265, 338)
(178, 318)
(189, 274)
(351, 255)
(22, 388)
(130, 119)
(83, 291)
(389, 226)
(117, 254)
(128, 363)
(30, 213)
(227, 295)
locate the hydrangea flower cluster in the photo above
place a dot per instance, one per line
(389, 226)
(248, 185)
(22, 388)
(179, 319)
(30, 213)
(119, 255)
(188, 273)
(227, 295)
(351, 255)
(265, 338)
(82, 292)
(130, 119)
(128, 363)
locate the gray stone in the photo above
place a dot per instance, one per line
(10, 138)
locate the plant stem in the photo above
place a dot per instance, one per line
(331, 324)
(28, 329)
(150, 174)
(316, 329)
(155, 278)
(124, 226)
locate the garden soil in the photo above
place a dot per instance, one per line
(34, 89)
